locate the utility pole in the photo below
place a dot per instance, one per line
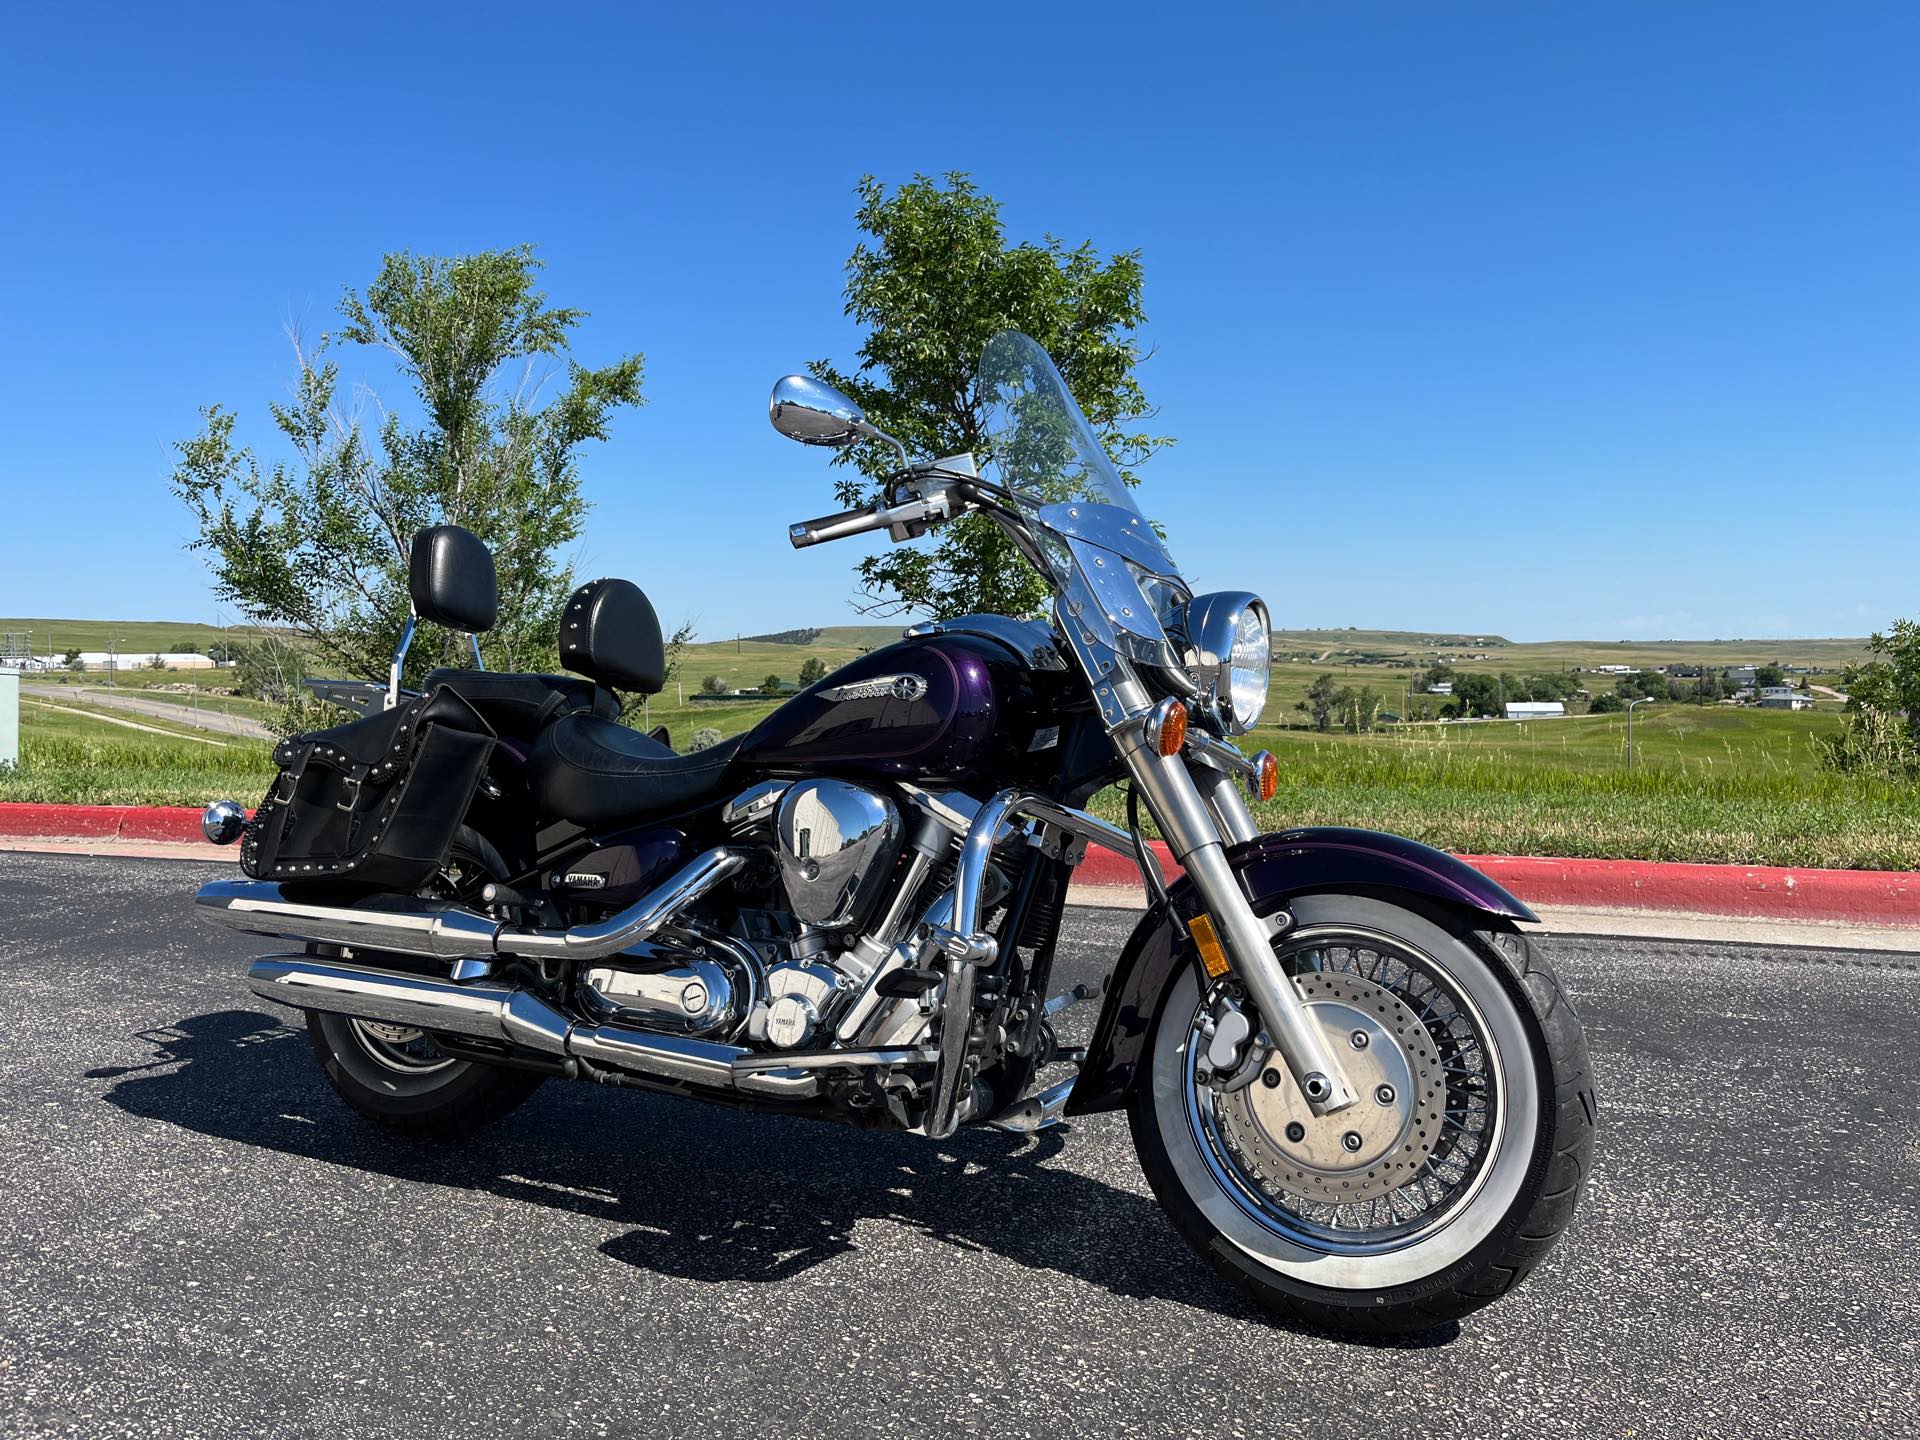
(1643, 700)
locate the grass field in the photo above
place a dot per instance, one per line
(1711, 783)
(71, 756)
(135, 639)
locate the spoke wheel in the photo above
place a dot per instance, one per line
(1409, 1151)
(400, 1048)
(1448, 1179)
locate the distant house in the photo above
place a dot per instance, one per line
(1443, 687)
(1784, 697)
(1616, 670)
(1534, 709)
(1740, 676)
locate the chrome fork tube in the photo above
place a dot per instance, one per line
(1194, 835)
(1225, 802)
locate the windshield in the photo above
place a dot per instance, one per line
(1073, 498)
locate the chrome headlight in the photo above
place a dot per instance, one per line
(1231, 656)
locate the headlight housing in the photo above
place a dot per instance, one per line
(1230, 660)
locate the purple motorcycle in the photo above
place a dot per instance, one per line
(1354, 1084)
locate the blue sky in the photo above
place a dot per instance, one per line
(1591, 321)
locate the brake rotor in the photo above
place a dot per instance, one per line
(1374, 1146)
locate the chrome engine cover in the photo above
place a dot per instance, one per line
(670, 988)
(837, 844)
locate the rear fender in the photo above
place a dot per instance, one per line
(1271, 869)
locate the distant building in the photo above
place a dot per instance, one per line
(1616, 670)
(135, 660)
(1534, 709)
(1739, 676)
(1784, 697)
(1444, 687)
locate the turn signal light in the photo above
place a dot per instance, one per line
(1167, 727)
(1265, 781)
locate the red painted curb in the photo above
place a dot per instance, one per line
(101, 822)
(1859, 897)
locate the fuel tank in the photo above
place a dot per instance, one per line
(945, 708)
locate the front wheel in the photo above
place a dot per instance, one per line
(1451, 1176)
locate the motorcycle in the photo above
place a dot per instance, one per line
(1354, 1084)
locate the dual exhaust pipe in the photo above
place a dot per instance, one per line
(442, 930)
(504, 1014)
(511, 1016)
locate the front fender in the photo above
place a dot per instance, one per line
(1270, 868)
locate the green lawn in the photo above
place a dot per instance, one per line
(71, 756)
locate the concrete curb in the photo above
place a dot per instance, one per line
(1878, 898)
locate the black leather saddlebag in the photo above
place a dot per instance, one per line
(375, 802)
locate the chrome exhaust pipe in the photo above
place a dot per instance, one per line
(514, 1017)
(442, 930)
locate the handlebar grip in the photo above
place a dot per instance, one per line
(832, 527)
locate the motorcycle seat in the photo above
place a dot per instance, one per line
(592, 771)
(516, 706)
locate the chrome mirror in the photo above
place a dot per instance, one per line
(806, 410)
(814, 413)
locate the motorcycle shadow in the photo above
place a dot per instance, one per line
(706, 1193)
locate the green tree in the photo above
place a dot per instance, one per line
(1478, 695)
(934, 280)
(318, 544)
(1606, 703)
(770, 685)
(1767, 675)
(1882, 734)
(73, 662)
(1324, 697)
(813, 669)
(713, 685)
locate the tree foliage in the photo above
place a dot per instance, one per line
(814, 668)
(1882, 733)
(318, 544)
(934, 280)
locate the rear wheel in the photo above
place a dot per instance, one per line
(1451, 1176)
(395, 1075)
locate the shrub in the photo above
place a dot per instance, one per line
(704, 739)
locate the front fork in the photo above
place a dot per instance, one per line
(1194, 826)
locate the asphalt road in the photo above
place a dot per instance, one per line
(133, 702)
(197, 1239)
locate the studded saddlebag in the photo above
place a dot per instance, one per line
(376, 802)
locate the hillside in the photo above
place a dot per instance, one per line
(131, 637)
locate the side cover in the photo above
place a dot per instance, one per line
(1272, 868)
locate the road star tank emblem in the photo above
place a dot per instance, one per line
(897, 687)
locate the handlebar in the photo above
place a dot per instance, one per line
(836, 527)
(906, 518)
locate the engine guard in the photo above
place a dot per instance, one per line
(1270, 867)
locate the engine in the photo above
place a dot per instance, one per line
(837, 845)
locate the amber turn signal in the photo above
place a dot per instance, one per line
(1265, 780)
(1207, 942)
(1167, 727)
